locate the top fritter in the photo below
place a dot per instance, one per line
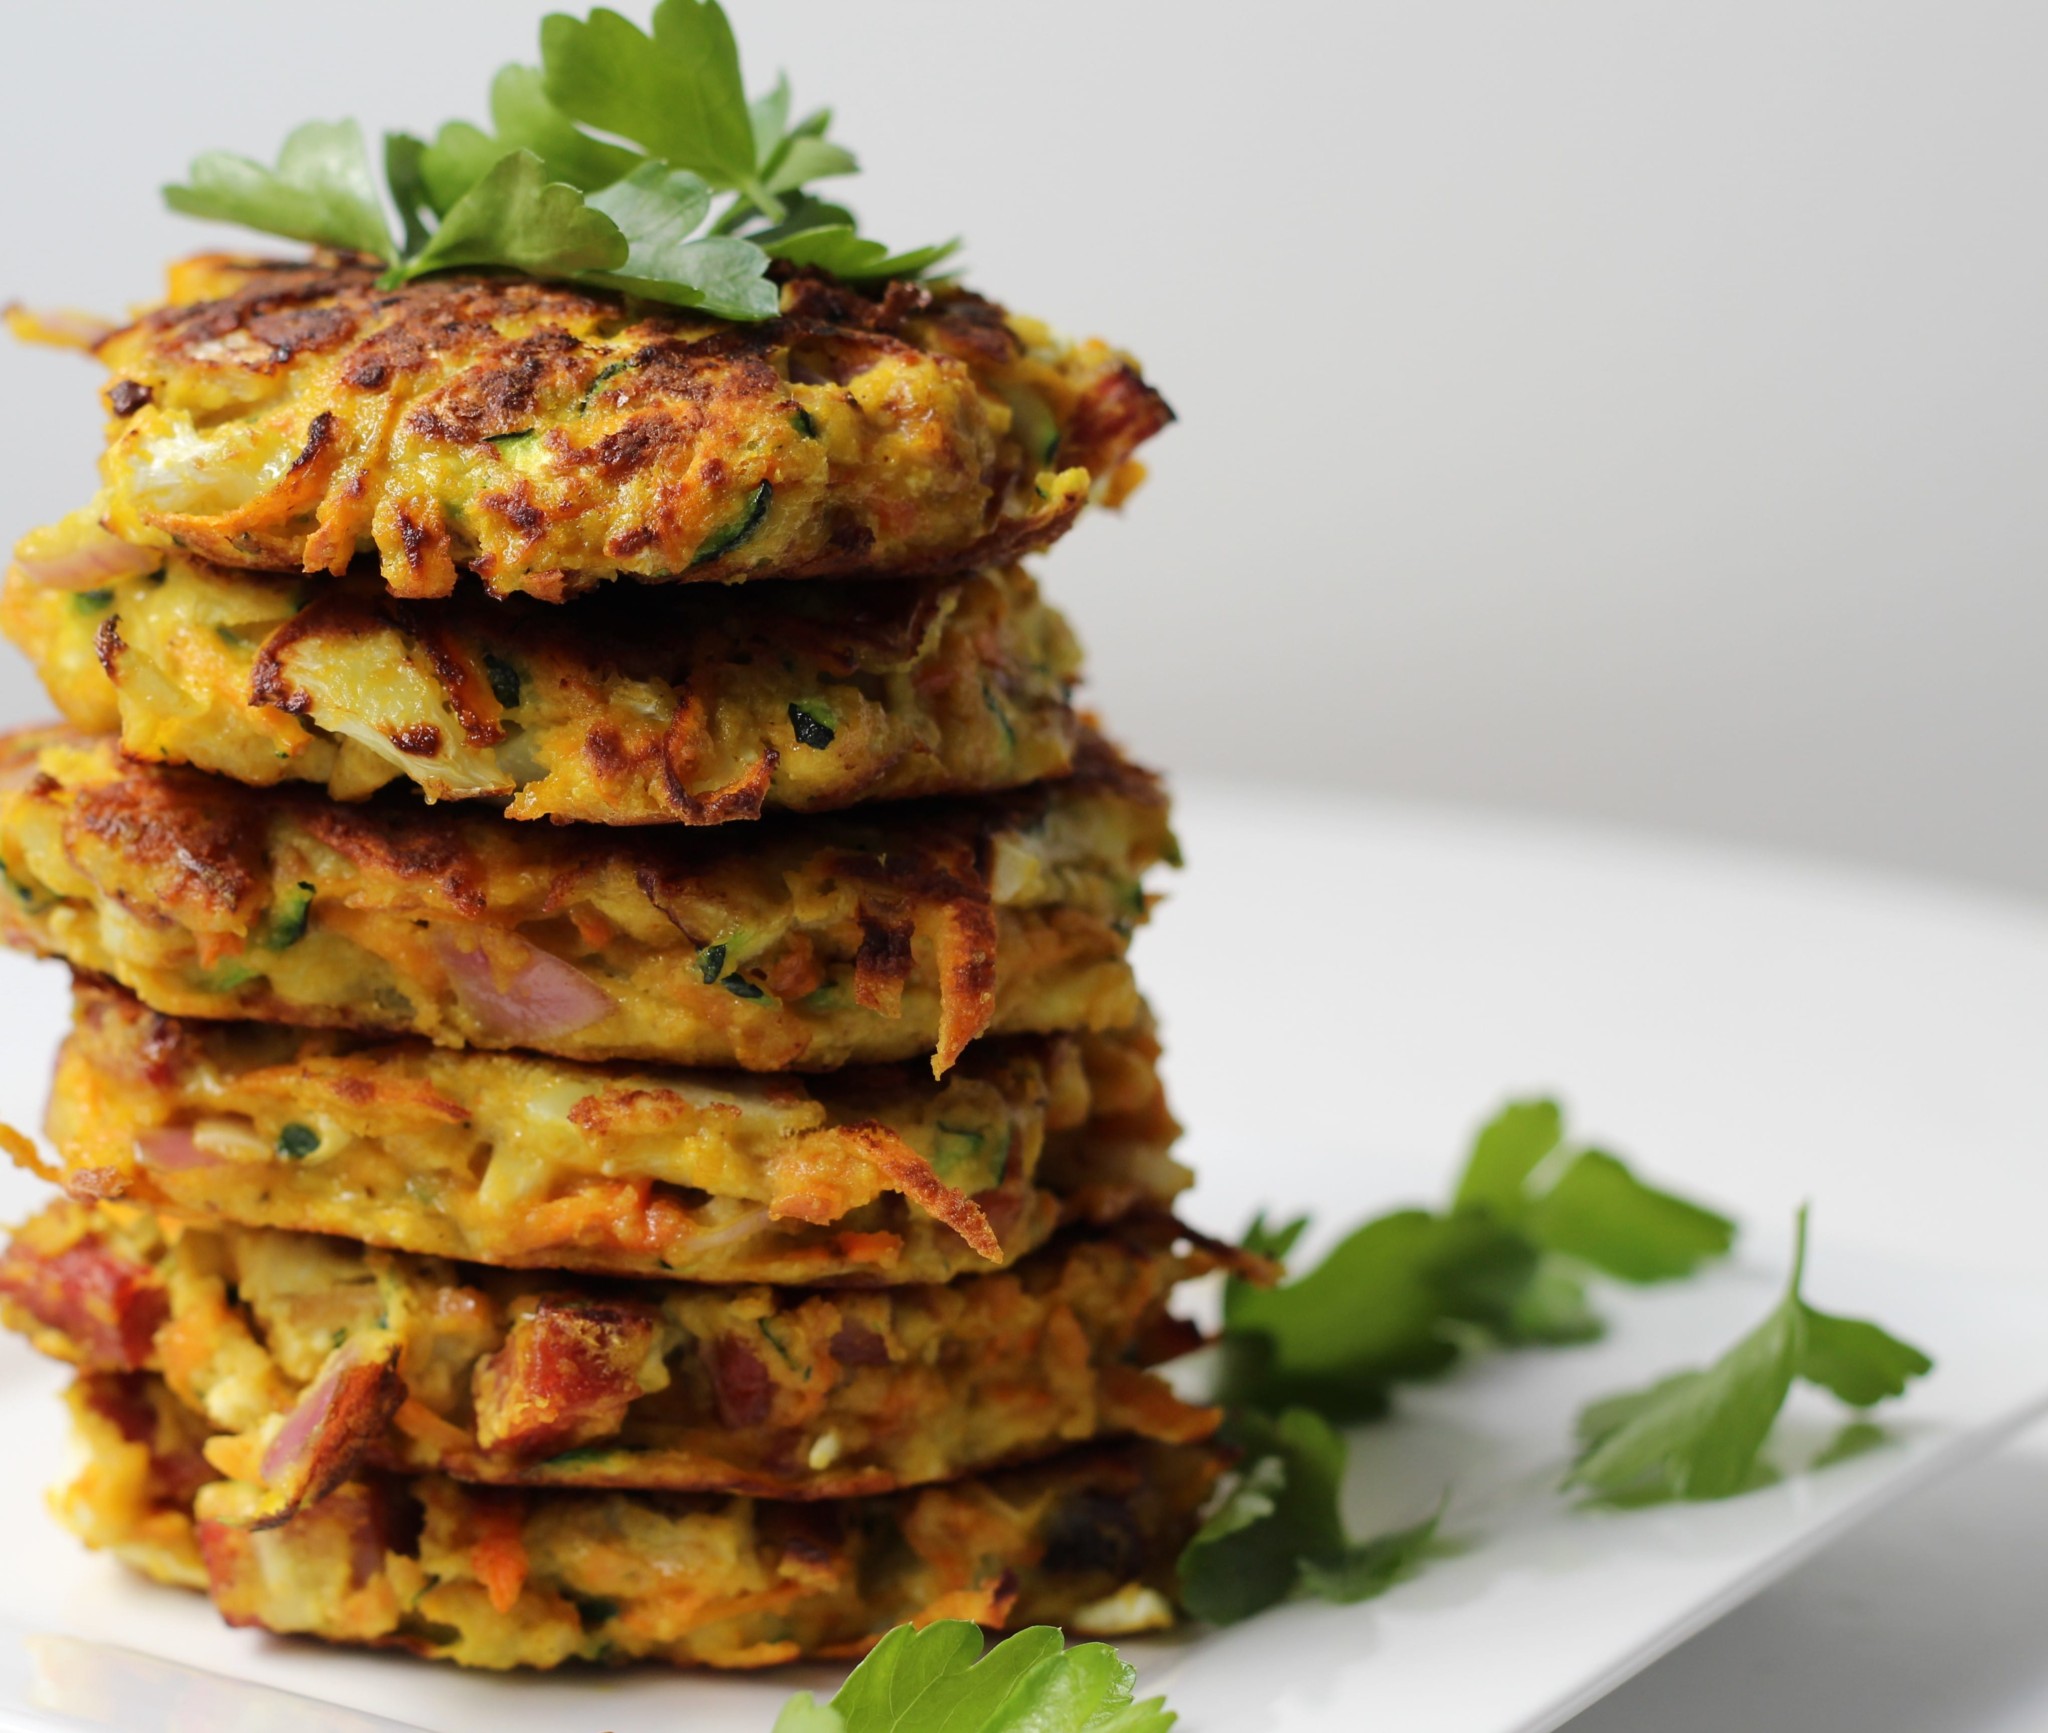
(548, 438)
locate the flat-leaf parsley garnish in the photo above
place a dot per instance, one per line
(1401, 1296)
(1698, 1435)
(939, 1678)
(628, 160)
(1278, 1531)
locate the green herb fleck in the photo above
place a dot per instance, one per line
(809, 723)
(610, 371)
(594, 1610)
(297, 1141)
(583, 1454)
(92, 601)
(723, 541)
(506, 685)
(774, 1341)
(504, 441)
(993, 705)
(287, 923)
(800, 419)
(1032, 424)
(711, 963)
(741, 988)
(28, 895)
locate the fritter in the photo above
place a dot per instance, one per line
(502, 1579)
(872, 1175)
(680, 706)
(141, 1462)
(314, 1357)
(882, 934)
(546, 438)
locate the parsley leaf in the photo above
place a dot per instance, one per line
(836, 248)
(1508, 1149)
(1401, 1296)
(1856, 1361)
(675, 93)
(1584, 1203)
(659, 209)
(405, 174)
(460, 156)
(543, 195)
(1598, 1212)
(790, 156)
(1381, 1307)
(527, 120)
(516, 216)
(1279, 1531)
(1552, 1310)
(938, 1679)
(1700, 1435)
(322, 191)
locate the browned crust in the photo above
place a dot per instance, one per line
(681, 372)
(174, 847)
(201, 846)
(343, 1415)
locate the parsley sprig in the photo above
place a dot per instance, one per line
(1279, 1531)
(628, 159)
(1701, 1434)
(1403, 1295)
(938, 1678)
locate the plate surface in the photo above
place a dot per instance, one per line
(1345, 991)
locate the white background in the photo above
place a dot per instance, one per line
(1635, 412)
(1629, 410)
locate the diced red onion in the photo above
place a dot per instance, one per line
(88, 564)
(541, 996)
(295, 1439)
(173, 1148)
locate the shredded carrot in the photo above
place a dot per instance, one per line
(498, 1556)
(416, 1420)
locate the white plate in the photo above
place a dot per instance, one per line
(1322, 972)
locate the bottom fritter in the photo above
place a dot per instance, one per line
(504, 1578)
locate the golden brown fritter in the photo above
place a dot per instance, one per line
(501, 1578)
(681, 706)
(547, 438)
(883, 934)
(314, 1357)
(872, 1175)
(141, 1462)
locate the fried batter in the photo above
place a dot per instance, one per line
(287, 1341)
(780, 945)
(294, 417)
(501, 1578)
(873, 1175)
(679, 706)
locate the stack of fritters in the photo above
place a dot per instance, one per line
(503, 1233)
